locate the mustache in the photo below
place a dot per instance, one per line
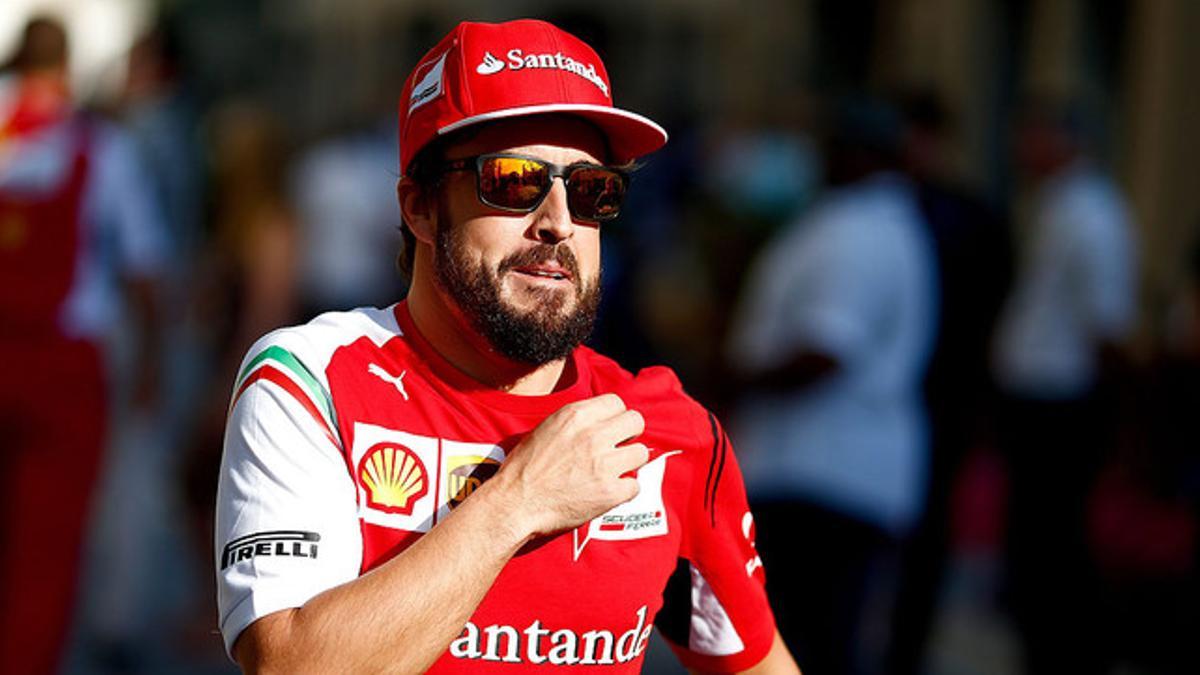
(540, 254)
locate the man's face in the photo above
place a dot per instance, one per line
(529, 283)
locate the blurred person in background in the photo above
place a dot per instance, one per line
(136, 551)
(255, 252)
(248, 285)
(81, 241)
(833, 338)
(347, 214)
(342, 187)
(1144, 512)
(973, 260)
(1058, 359)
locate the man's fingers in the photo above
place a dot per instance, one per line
(600, 407)
(586, 413)
(630, 457)
(623, 427)
(631, 489)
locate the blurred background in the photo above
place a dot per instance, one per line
(935, 262)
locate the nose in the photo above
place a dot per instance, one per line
(552, 219)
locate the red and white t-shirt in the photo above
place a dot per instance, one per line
(350, 437)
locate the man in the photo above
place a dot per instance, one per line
(832, 338)
(453, 484)
(79, 238)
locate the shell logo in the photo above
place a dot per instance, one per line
(394, 478)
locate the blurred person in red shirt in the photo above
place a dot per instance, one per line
(79, 239)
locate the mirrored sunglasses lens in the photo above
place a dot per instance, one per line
(512, 182)
(596, 193)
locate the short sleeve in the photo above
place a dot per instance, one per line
(715, 614)
(286, 521)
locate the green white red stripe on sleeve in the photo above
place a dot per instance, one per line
(279, 366)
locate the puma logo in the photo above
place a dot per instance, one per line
(396, 380)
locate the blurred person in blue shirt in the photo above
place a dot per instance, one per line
(1057, 359)
(832, 337)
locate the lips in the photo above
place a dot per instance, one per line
(545, 272)
(553, 263)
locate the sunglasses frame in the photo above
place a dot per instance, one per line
(475, 163)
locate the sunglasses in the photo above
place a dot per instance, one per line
(519, 184)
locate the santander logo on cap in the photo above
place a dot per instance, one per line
(490, 65)
(518, 60)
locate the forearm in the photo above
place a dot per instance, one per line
(401, 616)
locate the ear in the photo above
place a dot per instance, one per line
(418, 207)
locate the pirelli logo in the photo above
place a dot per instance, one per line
(276, 543)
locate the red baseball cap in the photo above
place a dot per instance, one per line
(483, 71)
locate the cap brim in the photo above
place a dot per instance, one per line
(630, 135)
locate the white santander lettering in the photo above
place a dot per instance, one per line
(533, 635)
(590, 639)
(493, 634)
(563, 652)
(562, 647)
(467, 646)
(519, 60)
(627, 645)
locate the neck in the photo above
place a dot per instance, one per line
(451, 335)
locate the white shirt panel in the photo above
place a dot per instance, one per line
(280, 473)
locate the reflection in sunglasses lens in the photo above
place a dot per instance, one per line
(596, 194)
(512, 182)
(520, 183)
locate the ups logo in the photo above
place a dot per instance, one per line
(465, 473)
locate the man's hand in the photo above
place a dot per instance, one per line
(572, 467)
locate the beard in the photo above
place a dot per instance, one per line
(546, 332)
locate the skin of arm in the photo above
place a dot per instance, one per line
(400, 617)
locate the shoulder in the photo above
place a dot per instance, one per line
(313, 344)
(296, 361)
